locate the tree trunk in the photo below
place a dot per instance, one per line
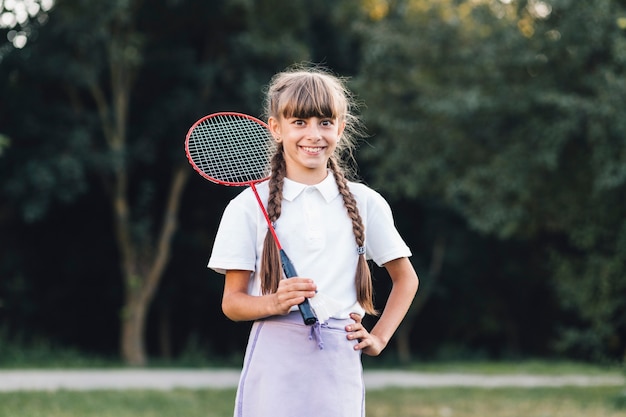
(140, 288)
(133, 348)
(403, 334)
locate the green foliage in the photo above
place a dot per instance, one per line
(22, 351)
(4, 143)
(177, 72)
(517, 122)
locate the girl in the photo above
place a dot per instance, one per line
(328, 226)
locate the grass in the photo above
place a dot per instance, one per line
(440, 402)
(529, 366)
(504, 402)
(140, 403)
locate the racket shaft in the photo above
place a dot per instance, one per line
(305, 307)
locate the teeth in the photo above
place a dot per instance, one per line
(309, 149)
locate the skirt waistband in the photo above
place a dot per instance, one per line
(295, 318)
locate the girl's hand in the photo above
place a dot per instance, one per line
(370, 344)
(291, 292)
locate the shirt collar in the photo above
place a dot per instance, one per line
(327, 188)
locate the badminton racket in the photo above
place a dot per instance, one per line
(235, 149)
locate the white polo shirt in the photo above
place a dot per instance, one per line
(316, 233)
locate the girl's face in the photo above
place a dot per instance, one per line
(307, 145)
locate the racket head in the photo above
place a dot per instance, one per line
(230, 148)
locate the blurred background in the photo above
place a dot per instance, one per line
(496, 130)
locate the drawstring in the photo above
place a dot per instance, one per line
(317, 333)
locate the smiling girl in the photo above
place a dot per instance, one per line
(330, 226)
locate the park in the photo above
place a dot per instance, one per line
(495, 129)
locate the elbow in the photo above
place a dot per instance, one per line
(229, 311)
(232, 316)
(412, 285)
(229, 315)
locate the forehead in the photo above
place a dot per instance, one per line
(311, 96)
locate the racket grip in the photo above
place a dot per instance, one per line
(305, 307)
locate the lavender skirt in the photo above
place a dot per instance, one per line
(294, 370)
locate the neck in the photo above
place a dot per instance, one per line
(308, 177)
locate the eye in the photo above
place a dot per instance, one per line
(327, 122)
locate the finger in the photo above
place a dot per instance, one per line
(292, 298)
(356, 317)
(297, 284)
(297, 280)
(297, 294)
(363, 344)
(358, 334)
(355, 327)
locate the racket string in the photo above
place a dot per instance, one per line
(231, 149)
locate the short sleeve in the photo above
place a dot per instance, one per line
(235, 245)
(383, 241)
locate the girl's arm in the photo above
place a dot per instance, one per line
(405, 283)
(238, 305)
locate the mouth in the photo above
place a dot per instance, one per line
(314, 150)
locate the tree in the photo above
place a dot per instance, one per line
(508, 112)
(113, 89)
(98, 75)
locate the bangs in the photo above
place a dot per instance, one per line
(311, 98)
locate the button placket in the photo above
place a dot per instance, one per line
(313, 218)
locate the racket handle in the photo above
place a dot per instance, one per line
(305, 307)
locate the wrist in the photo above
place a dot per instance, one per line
(382, 339)
(272, 305)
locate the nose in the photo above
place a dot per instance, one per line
(314, 132)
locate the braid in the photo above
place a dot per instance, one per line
(271, 272)
(363, 277)
(279, 170)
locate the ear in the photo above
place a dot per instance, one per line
(274, 126)
(342, 127)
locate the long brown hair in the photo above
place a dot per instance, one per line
(303, 93)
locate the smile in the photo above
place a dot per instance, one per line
(312, 149)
